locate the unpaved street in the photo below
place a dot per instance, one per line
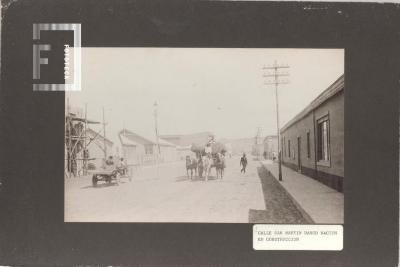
(167, 195)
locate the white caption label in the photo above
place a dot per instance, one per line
(297, 237)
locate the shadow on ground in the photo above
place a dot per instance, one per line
(279, 207)
(194, 178)
(101, 185)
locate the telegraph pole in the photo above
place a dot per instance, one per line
(275, 73)
(85, 144)
(104, 137)
(157, 137)
(156, 125)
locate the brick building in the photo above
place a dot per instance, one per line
(313, 141)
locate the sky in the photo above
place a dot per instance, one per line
(221, 90)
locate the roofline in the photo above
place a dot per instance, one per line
(122, 143)
(336, 87)
(132, 133)
(170, 135)
(148, 140)
(186, 134)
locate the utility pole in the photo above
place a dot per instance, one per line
(276, 75)
(156, 125)
(85, 152)
(104, 137)
(156, 132)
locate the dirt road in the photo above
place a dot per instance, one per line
(165, 194)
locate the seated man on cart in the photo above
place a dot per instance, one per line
(109, 163)
(122, 168)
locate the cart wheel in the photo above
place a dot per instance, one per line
(94, 180)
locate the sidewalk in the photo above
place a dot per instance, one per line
(315, 200)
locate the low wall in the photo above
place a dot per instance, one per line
(331, 180)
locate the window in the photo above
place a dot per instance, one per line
(308, 145)
(288, 146)
(323, 139)
(148, 149)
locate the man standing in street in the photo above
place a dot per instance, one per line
(243, 163)
(208, 149)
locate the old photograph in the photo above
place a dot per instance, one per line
(206, 135)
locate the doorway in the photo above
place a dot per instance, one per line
(298, 154)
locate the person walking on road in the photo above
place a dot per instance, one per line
(243, 163)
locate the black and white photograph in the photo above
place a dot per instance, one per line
(199, 133)
(206, 135)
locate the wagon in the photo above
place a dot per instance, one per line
(105, 175)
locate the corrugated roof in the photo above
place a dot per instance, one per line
(126, 141)
(332, 90)
(127, 134)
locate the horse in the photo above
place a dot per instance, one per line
(207, 165)
(219, 163)
(191, 164)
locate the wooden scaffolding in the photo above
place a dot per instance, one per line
(77, 142)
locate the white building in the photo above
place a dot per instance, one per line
(139, 150)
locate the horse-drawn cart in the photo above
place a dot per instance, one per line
(208, 156)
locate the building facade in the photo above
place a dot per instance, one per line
(271, 147)
(96, 151)
(257, 148)
(313, 141)
(139, 150)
